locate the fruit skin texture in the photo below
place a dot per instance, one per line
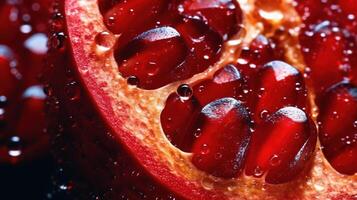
(98, 102)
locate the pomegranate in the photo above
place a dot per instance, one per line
(215, 99)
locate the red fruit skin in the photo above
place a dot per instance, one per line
(338, 124)
(225, 133)
(277, 84)
(281, 146)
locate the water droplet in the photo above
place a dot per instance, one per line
(184, 91)
(258, 172)
(72, 90)
(133, 80)
(110, 21)
(264, 114)
(355, 124)
(14, 146)
(57, 40)
(104, 41)
(207, 183)
(2, 114)
(197, 133)
(204, 149)
(3, 101)
(218, 156)
(275, 160)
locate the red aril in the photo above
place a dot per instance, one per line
(277, 84)
(185, 123)
(225, 133)
(338, 125)
(281, 146)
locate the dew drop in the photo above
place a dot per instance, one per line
(72, 91)
(184, 91)
(264, 114)
(275, 160)
(3, 101)
(133, 80)
(14, 146)
(104, 41)
(204, 149)
(207, 183)
(258, 172)
(57, 40)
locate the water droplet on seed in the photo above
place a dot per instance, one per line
(184, 91)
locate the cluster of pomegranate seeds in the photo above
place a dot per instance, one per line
(164, 41)
(251, 115)
(329, 45)
(23, 45)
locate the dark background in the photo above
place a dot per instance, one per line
(29, 181)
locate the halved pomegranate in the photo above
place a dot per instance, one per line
(204, 99)
(23, 46)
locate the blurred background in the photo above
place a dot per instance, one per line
(26, 167)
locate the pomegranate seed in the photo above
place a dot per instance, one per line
(252, 58)
(130, 18)
(226, 82)
(220, 150)
(204, 45)
(281, 146)
(169, 41)
(338, 127)
(152, 56)
(278, 84)
(178, 119)
(218, 14)
(324, 51)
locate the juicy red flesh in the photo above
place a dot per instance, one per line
(22, 50)
(179, 116)
(277, 93)
(330, 54)
(278, 84)
(164, 41)
(253, 57)
(281, 146)
(338, 127)
(225, 132)
(329, 46)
